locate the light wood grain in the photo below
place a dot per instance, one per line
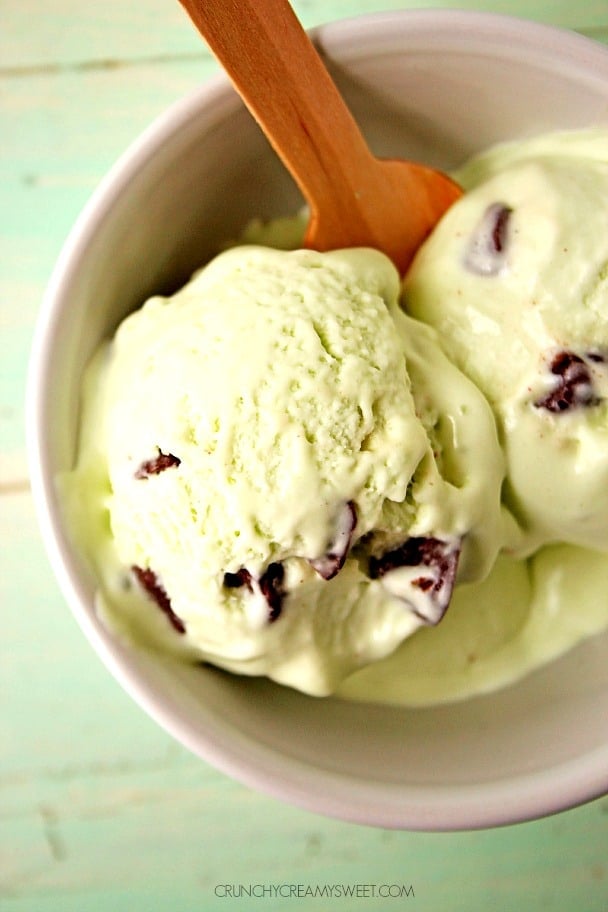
(354, 199)
(99, 809)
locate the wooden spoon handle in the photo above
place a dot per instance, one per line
(282, 80)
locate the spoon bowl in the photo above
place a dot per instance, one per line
(355, 199)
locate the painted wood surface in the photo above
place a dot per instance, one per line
(100, 809)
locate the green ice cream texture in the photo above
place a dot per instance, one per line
(305, 466)
(258, 442)
(529, 323)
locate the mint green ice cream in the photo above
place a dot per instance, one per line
(295, 467)
(528, 322)
(256, 445)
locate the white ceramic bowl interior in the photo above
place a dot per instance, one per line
(432, 85)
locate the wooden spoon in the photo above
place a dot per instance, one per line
(354, 198)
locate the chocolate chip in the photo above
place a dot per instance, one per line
(429, 593)
(235, 580)
(150, 583)
(157, 465)
(501, 215)
(573, 387)
(330, 563)
(487, 247)
(271, 586)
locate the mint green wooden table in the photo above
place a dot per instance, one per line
(100, 809)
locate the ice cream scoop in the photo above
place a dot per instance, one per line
(516, 278)
(280, 472)
(354, 198)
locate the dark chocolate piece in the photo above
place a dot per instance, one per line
(242, 577)
(501, 215)
(437, 561)
(486, 253)
(149, 582)
(157, 465)
(330, 564)
(573, 387)
(271, 586)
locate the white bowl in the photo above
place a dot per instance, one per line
(432, 85)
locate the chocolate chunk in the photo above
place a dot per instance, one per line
(271, 586)
(330, 563)
(428, 593)
(157, 465)
(486, 253)
(501, 215)
(242, 577)
(573, 386)
(149, 581)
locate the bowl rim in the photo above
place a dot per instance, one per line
(428, 808)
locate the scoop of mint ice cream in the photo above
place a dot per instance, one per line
(515, 279)
(290, 476)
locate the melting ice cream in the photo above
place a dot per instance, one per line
(289, 468)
